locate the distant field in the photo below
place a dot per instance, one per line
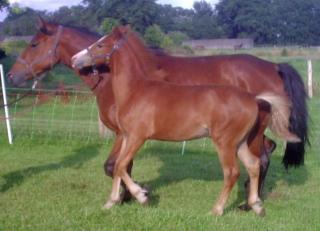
(52, 177)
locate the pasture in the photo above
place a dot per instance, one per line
(52, 178)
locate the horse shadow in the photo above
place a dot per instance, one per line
(78, 157)
(204, 165)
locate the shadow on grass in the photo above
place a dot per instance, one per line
(75, 160)
(277, 175)
(204, 165)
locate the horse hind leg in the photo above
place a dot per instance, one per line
(252, 165)
(267, 147)
(231, 173)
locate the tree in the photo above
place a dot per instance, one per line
(174, 18)
(177, 37)
(154, 36)
(204, 21)
(108, 24)
(3, 4)
(20, 20)
(271, 21)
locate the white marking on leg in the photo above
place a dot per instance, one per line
(115, 193)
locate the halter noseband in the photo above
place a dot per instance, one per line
(51, 53)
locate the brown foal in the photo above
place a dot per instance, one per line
(149, 109)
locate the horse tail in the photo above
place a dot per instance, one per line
(279, 121)
(298, 122)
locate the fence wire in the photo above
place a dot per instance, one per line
(49, 113)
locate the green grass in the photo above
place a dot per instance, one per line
(60, 185)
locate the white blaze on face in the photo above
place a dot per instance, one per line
(82, 58)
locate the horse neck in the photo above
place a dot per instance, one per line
(71, 43)
(127, 75)
(146, 59)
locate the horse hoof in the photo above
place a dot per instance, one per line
(146, 202)
(146, 190)
(125, 197)
(217, 212)
(142, 196)
(108, 205)
(258, 209)
(244, 207)
(261, 212)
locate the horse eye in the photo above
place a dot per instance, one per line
(99, 46)
(34, 45)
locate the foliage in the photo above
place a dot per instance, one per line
(13, 48)
(3, 4)
(154, 36)
(282, 22)
(20, 21)
(204, 22)
(177, 37)
(108, 24)
(273, 22)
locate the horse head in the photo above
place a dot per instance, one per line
(101, 51)
(39, 56)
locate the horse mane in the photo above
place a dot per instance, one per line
(79, 29)
(144, 54)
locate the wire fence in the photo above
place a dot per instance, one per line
(52, 113)
(69, 114)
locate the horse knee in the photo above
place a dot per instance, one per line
(232, 174)
(109, 167)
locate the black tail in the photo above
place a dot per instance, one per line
(294, 86)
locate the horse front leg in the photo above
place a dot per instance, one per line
(109, 166)
(129, 148)
(231, 172)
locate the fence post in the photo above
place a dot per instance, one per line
(6, 110)
(183, 147)
(310, 80)
(75, 97)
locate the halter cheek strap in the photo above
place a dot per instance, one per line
(107, 56)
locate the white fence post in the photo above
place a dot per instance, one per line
(183, 147)
(310, 90)
(6, 110)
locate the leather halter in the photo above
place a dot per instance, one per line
(106, 57)
(51, 54)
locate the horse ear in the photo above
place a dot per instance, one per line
(117, 31)
(42, 25)
(124, 29)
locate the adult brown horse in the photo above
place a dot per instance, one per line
(55, 43)
(152, 109)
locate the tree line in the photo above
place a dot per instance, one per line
(272, 22)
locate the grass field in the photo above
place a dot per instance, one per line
(50, 182)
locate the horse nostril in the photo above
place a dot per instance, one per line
(10, 77)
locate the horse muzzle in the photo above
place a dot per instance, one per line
(16, 80)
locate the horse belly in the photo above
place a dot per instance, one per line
(181, 133)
